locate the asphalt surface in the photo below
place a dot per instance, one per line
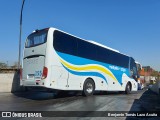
(143, 100)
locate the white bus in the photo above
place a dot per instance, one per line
(60, 61)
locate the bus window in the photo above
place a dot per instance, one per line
(36, 38)
(65, 43)
(103, 55)
(86, 50)
(119, 59)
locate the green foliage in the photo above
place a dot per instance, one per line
(3, 65)
(155, 73)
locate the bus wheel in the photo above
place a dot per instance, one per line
(128, 88)
(88, 87)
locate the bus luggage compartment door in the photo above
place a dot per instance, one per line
(59, 77)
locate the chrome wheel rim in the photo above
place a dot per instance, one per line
(89, 87)
(128, 88)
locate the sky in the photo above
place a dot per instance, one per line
(130, 26)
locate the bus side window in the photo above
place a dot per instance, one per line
(65, 43)
(86, 50)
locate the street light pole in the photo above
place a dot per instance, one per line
(19, 56)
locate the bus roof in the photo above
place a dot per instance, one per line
(136, 62)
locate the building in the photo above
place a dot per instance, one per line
(147, 74)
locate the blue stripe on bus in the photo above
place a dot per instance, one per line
(86, 73)
(83, 61)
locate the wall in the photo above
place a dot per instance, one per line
(9, 82)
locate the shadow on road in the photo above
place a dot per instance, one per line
(42, 95)
(149, 102)
(36, 94)
(104, 93)
(16, 83)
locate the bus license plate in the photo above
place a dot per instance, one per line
(30, 76)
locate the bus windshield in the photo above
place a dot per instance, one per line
(36, 38)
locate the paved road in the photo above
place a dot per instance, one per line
(41, 101)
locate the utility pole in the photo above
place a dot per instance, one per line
(19, 56)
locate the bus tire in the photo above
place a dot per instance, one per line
(128, 88)
(88, 87)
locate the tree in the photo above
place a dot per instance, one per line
(155, 74)
(15, 65)
(3, 65)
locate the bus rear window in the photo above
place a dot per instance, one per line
(36, 38)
